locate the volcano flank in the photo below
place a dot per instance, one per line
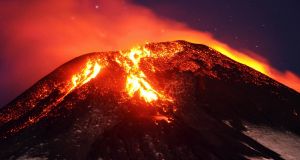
(168, 100)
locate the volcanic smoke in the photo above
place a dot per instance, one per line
(42, 35)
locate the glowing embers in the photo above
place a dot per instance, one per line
(90, 71)
(162, 118)
(136, 81)
(244, 59)
(137, 84)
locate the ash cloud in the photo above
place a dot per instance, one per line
(38, 36)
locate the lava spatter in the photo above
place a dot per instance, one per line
(148, 102)
(136, 81)
(90, 71)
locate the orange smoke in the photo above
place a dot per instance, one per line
(42, 35)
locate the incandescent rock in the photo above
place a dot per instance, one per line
(214, 100)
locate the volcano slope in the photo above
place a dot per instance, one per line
(170, 100)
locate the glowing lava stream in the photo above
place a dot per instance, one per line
(90, 71)
(136, 79)
(136, 83)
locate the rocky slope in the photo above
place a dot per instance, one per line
(210, 99)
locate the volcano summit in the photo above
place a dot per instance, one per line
(169, 100)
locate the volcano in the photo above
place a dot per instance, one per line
(168, 100)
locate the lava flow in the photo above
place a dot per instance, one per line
(158, 93)
(90, 71)
(136, 78)
(72, 29)
(136, 84)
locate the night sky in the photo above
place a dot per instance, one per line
(267, 27)
(38, 36)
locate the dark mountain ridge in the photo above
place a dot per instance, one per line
(214, 99)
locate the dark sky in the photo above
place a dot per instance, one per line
(268, 27)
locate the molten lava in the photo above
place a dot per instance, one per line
(136, 79)
(162, 118)
(138, 68)
(101, 102)
(89, 72)
(73, 29)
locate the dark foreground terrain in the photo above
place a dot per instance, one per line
(224, 110)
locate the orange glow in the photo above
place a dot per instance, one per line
(89, 72)
(136, 81)
(244, 59)
(62, 31)
(162, 118)
(254, 61)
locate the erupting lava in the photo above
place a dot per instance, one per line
(136, 79)
(136, 83)
(134, 63)
(158, 97)
(73, 29)
(89, 72)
